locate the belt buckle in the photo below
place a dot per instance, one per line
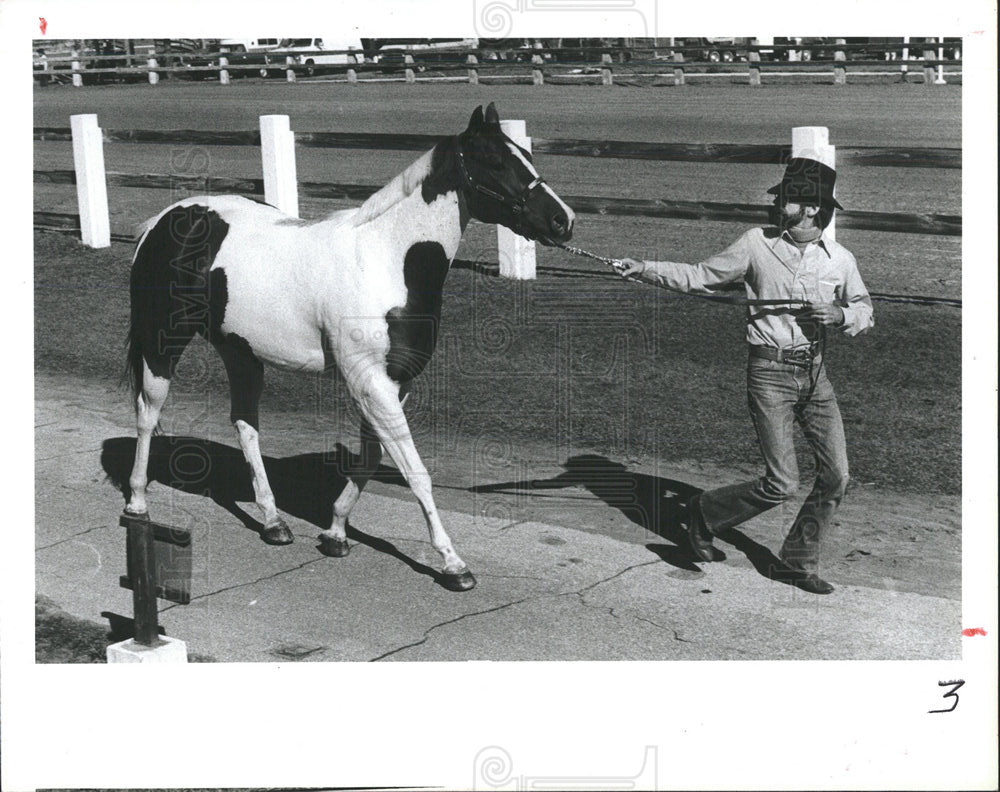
(797, 356)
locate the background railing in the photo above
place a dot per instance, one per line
(537, 64)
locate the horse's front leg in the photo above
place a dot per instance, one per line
(380, 404)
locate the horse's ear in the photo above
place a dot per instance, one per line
(476, 120)
(492, 117)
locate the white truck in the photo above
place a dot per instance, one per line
(309, 52)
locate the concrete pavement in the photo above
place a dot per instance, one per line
(580, 587)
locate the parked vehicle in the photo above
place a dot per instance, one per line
(246, 52)
(392, 52)
(314, 55)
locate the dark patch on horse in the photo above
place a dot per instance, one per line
(246, 379)
(173, 294)
(413, 328)
(444, 178)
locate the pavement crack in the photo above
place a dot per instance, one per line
(429, 630)
(70, 538)
(580, 592)
(65, 454)
(249, 582)
(677, 635)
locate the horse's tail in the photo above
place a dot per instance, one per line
(133, 342)
(133, 358)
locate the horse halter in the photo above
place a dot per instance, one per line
(516, 205)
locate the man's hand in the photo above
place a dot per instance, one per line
(826, 314)
(631, 268)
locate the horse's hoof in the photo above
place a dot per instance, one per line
(458, 581)
(333, 546)
(279, 534)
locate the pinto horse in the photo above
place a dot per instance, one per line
(360, 289)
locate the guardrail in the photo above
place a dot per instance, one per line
(529, 65)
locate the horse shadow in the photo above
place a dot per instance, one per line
(304, 486)
(654, 503)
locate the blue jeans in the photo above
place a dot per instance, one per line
(779, 396)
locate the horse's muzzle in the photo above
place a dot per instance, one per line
(561, 226)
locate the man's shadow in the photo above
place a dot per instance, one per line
(653, 503)
(304, 486)
(656, 504)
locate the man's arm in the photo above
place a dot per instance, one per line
(852, 312)
(722, 269)
(859, 315)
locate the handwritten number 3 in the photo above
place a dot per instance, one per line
(951, 693)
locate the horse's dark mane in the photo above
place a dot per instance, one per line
(444, 176)
(435, 172)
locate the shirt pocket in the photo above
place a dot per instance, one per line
(828, 290)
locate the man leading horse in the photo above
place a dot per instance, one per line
(786, 378)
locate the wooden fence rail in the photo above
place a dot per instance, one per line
(764, 154)
(280, 185)
(901, 222)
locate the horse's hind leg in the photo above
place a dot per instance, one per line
(246, 383)
(380, 404)
(149, 403)
(333, 541)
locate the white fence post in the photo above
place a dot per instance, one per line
(940, 68)
(91, 187)
(517, 254)
(277, 145)
(154, 77)
(223, 71)
(814, 143)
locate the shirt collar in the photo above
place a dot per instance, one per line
(821, 242)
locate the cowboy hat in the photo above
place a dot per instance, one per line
(807, 181)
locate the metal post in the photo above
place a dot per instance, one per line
(516, 254)
(140, 548)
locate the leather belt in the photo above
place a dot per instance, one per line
(796, 356)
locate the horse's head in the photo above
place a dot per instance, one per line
(501, 185)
